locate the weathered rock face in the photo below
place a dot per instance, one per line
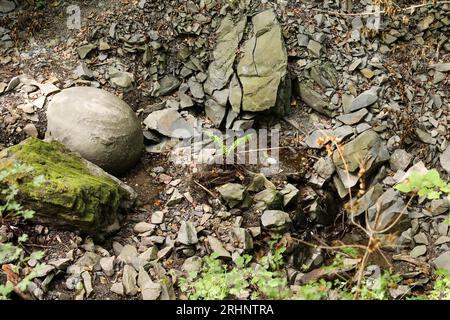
(314, 99)
(98, 125)
(260, 81)
(314, 85)
(229, 36)
(74, 193)
(367, 149)
(445, 159)
(263, 69)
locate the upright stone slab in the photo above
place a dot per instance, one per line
(259, 82)
(220, 70)
(98, 125)
(263, 69)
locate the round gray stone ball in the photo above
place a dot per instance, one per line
(98, 125)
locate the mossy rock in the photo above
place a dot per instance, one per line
(74, 193)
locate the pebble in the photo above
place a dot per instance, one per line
(157, 217)
(418, 251)
(117, 288)
(129, 280)
(400, 160)
(275, 218)
(187, 234)
(443, 261)
(217, 247)
(421, 238)
(142, 227)
(107, 265)
(30, 130)
(192, 264)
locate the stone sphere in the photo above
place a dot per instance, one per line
(98, 125)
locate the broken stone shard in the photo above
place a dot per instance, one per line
(167, 85)
(314, 99)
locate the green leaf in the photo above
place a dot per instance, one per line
(37, 255)
(6, 290)
(27, 214)
(9, 253)
(433, 177)
(432, 195)
(352, 252)
(403, 187)
(23, 238)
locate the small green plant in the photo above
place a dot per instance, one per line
(10, 209)
(40, 4)
(217, 281)
(227, 150)
(9, 177)
(10, 253)
(315, 290)
(429, 185)
(378, 288)
(441, 289)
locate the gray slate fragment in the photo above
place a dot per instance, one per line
(418, 251)
(107, 265)
(443, 261)
(192, 264)
(232, 193)
(170, 123)
(400, 160)
(84, 50)
(217, 247)
(7, 6)
(215, 112)
(354, 117)
(165, 86)
(274, 219)
(129, 280)
(263, 68)
(229, 35)
(187, 234)
(365, 99)
(444, 159)
(442, 67)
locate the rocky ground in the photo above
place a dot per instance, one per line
(321, 76)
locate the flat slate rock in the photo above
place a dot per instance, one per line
(170, 123)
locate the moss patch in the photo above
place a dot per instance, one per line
(69, 194)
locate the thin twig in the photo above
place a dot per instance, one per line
(36, 245)
(204, 188)
(361, 271)
(398, 218)
(385, 258)
(330, 247)
(336, 13)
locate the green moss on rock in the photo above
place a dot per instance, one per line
(71, 194)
